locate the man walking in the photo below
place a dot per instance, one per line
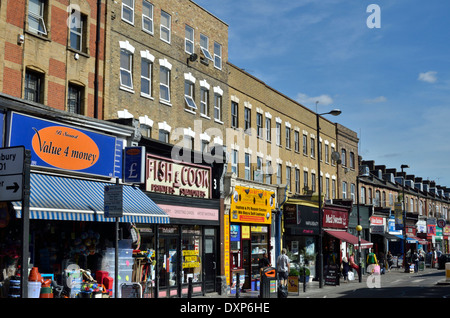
(283, 267)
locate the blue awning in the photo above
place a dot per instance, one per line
(60, 198)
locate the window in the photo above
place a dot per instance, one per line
(146, 130)
(163, 136)
(34, 86)
(188, 142)
(259, 128)
(313, 182)
(126, 62)
(189, 40)
(36, 18)
(363, 195)
(288, 177)
(75, 99)
(269, 172)
(78, 32)
(296, 141)
(217, 55)
(327, 154)
(234, 114)
(259, 172)
(218, 107)
(268, 129)
(146, 77)
(247, 119)
(333, 188)
(247, 166)
(204, 101)
(164, 84)
(344, 190)
(147, 16)
(297, 180)
(278, 128)
(128, 11)
(305, 180)
(313, 148)
(165, 26)
(279, 167)
(320, 150)
(288, 138)
(333, 162)
(344, 157)
(204, 45)
(327, 188)
(352, 191)
(352, 160)
(234, 162)
(189, 95)
(305, 145)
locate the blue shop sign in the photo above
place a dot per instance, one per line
(60, 146)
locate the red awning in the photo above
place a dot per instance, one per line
(349, 238)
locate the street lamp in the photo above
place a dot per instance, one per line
(334, 112)
(404, 219)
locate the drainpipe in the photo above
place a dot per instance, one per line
(278, 226)
(97, 46)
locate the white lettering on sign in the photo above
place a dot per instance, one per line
(164, 176)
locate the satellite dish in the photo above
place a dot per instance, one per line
(193, 57)
(335, 156)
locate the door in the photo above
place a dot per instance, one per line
(210, 261)
(168, 265)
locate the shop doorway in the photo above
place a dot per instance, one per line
(210, 260)
(168, 266)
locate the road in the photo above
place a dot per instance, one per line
(395, 284)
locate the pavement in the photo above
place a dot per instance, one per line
(313, 290)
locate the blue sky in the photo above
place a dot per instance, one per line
(392, 83)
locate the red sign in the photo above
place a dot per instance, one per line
(335, 219)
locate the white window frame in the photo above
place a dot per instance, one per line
(38, 16)
(73, 30)
(166, 28)
(218, 55)
(234, 114)
(189, 87)
(288, 137)
(146, 57)
(204, 101)
(190, 40)
(247, 164)
(204, 47)
(127, 7)
(218, 103)
(130, 54)
(234, 161)
(268, 129)
(259, 125)
(279, 173)
(269, 172)
(247, 119)
(147, 17)
(164, 66)
(278, 130)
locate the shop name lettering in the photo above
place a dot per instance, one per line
(335, 220)
(48, 147)
(250, 210)
(160, 171)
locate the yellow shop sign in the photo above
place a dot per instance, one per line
(250, 205)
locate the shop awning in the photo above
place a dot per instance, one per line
(349, 238)
(60, 198)
(415, 239)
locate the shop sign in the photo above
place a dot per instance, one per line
(235, 233)
(54, 145)
(392, 227)
(441, 223)
(190, 212)
(398, 211)
(249, 205)
(446, 230)
(421, 226)
(190, 259)
(431, 229)
(335, 219)
(376, 225)
(166, 176)
(410, 231)
(307, 220)
(134, 165)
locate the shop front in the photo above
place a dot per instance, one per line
(187, 258)
(250, 235)
(72, 232)
(301, 224)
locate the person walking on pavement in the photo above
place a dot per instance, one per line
(345, 268)
(283, 265)
(371, 261)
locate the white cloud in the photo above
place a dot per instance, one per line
(379, 99)
(429, 77)
(309, 100)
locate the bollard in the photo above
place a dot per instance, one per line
(190, 288)
(447, 272)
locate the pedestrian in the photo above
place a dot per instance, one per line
(371, 261)
(389, 260)
(264, 261)
(345, 268)
(283, 265)
(353, 264)
(416, 262)
(382, 263)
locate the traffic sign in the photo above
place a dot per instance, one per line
(11, 173)
(113, 201)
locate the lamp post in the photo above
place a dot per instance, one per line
(334, 112)
(404, 219)
(358, 229)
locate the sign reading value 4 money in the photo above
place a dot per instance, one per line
(65, 147)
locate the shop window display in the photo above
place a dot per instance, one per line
(191, 249)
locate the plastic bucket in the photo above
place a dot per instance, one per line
(34, 289)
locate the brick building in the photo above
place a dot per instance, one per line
(50, 53)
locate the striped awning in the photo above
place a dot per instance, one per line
(60, 198)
